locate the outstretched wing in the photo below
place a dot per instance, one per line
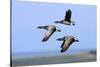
(68, 15)
(66, 44)
(63, 44)
(47, 35)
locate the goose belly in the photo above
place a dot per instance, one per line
(66, 44)
(66, 22)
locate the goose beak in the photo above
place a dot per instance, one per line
(59, 30)
(77, 40)
(73, 24)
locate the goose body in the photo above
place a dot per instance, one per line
(50, 30)
(67, 41)
(67, 19)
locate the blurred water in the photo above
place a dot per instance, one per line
(53, 58)
(47, 54)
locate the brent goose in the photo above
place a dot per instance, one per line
(67, 20)
(50, 30)
(67, 41)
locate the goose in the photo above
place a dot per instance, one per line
(67, 41)
(50, 30)
(67, 20)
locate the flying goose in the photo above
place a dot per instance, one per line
(67, 20)
(67, 41)
(50, 30)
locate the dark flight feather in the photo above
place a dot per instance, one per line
(68, 16)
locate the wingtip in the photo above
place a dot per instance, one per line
(44, 40)
(62, 51)
(69, 9)
(58, 39)
(39, 27)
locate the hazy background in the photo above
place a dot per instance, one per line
(26, 16)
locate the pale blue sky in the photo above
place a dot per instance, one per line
(26, 16)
